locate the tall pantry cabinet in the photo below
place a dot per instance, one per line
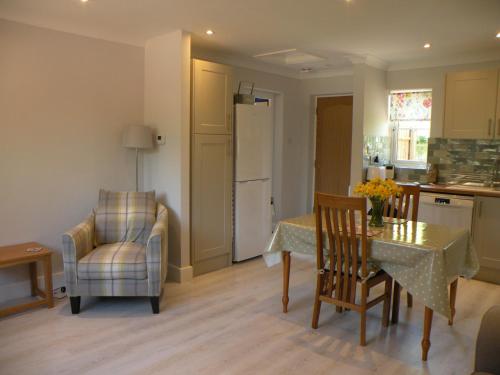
(211, 166)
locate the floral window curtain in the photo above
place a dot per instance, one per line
(413, 106)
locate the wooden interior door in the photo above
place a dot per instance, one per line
(333, 145)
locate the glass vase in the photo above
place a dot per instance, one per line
(377, 218)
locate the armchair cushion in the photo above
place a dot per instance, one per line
(124, 217)
(121, 260)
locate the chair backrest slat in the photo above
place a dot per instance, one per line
(331, 248)
(344, 241)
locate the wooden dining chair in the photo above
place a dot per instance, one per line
(398, 207)
(342, 260)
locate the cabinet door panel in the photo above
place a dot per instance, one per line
(486, 231)
(470, 104)
(212, 98)
(211, 196)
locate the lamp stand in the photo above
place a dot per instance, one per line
(136, 169)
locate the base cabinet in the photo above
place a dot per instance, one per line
(486, 235)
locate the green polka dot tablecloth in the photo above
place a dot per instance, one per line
(423, 258)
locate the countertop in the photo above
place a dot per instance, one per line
(461, 190)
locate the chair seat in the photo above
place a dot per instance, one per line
(121, 260)
(372, 270)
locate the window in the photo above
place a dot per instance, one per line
(410, 118)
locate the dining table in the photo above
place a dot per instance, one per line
(423, 258)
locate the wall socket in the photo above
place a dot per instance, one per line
(160, 139)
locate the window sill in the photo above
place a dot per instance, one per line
(410, 165)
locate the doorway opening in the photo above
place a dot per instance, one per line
(333, 140)
(275, 100)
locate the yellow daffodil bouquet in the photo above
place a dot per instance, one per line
(378, 191)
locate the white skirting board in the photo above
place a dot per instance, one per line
(20, 289)
(179, 274)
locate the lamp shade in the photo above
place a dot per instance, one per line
(138, 136)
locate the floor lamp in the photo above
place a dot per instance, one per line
(138, 137)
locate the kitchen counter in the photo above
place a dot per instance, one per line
(461, 190)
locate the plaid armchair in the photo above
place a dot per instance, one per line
(119, 250)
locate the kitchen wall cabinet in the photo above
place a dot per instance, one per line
(211, 167)
(486, 236)
(212, 98)
(471, 105)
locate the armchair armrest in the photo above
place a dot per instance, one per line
(77, 242)
(157, 252)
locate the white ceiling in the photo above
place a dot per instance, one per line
(390, 32)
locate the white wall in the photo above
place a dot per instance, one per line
(167, 110)
(433, 78)
(64, 102)
(357, 123)
(375, 100)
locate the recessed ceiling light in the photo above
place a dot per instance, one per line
(84, 1)
(209, 32)
(498, 35)
(306, 70)
(427, 45)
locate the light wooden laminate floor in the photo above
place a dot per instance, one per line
(230, 322)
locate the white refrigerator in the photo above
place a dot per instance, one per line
(252, 185)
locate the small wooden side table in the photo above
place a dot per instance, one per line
(18, 254)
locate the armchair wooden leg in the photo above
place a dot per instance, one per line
(155, 304)
(75, 304)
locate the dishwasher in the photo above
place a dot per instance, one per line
(446, 209)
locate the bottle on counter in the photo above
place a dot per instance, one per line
(432, 173)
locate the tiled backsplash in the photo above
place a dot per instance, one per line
(457, 160)
(412, 175)
(373, 146)
(461, 160)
